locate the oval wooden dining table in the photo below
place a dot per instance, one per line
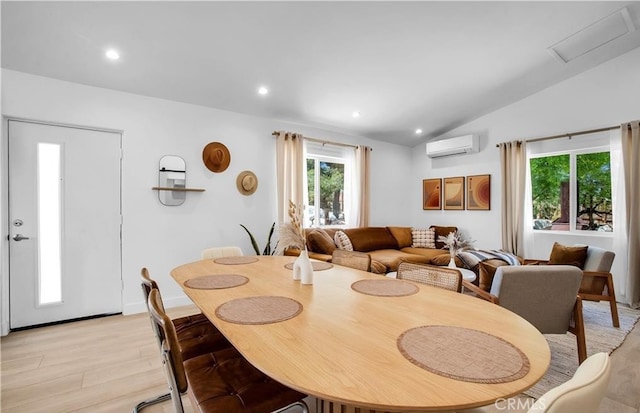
(342, 346)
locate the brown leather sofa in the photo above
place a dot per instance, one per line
(387, 246)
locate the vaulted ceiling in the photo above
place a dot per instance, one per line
(400, 65)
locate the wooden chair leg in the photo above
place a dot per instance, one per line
(578, 330)
(612, 301)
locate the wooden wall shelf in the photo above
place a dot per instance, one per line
(162, 188)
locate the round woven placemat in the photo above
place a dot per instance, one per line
(235, 260)
(259, 310)
(463, 354)
(385, 287)
(317, 265)
(217, 281)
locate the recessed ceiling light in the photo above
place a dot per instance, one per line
(356, 114)
(263, 90)
(418, 131)
(112, 54)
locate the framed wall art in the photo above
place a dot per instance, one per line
(432, 193)
(454, 193)
(479, 192)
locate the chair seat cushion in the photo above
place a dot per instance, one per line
(223, 382)
(196, 336)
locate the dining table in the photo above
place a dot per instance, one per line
(364, 340)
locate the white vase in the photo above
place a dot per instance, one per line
(302, 268)
(452, 263)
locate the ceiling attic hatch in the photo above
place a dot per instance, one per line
(593, 36)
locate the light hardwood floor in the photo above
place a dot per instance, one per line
(110, 364)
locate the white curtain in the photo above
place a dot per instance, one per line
(513, 161)
(630, 149)
(361, 185)
(290, 172)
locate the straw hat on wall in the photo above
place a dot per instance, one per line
(247, 182)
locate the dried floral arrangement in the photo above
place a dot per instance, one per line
(456, 241)
(291, 234)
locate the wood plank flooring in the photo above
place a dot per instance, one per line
(110, 364)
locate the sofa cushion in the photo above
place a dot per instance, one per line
(565, 255)
(371, 238)
(391, 258)
(425, 252)
(442, 232)
(319, 241)
(443, 259)
(343, 241)
(423, 238)
(487, 270)
(378, 268)
(402, 235)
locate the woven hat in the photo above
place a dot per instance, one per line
(247, 182)
(216, 157)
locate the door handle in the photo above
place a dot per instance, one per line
(19, 237)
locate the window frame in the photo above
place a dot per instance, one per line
(573, 189)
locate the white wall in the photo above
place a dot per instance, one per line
(604, 96)
(161, 237)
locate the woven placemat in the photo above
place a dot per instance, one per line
(463, 354)
(317, 265)
(235, 260)
(217, 281)
(385, 287)
(259, 310)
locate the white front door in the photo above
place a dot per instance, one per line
(64, 220)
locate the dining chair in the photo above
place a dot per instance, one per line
(195, 334)
(583, 393)
(219, 252)
(546, 296)
(217, 381)
(353, 259)
(441, 277)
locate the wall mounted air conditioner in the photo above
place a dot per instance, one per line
(453, 146)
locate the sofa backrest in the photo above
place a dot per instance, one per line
(371, 238)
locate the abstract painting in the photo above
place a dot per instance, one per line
(431, 193)
(454, 193)
(479, 192)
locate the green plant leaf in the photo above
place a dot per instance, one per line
(253, 240)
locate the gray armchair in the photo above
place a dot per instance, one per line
(546, 296)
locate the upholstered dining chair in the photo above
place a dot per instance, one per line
(195, 335)
(442, 277)
(353, 259)
(545, 295)
(219, 252)
(583, 393)
(217, 381)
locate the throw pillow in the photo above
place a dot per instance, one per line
(402, 235)
(442, 232)
(319, 241)
(423, 238)
(487, 270)
(564, 255)
(342, 241)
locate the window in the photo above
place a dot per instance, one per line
(328, 183)
(572, 184)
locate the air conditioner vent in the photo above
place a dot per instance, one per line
(454, 146)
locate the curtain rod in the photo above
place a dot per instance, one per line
(322, 141)
(571, 135)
